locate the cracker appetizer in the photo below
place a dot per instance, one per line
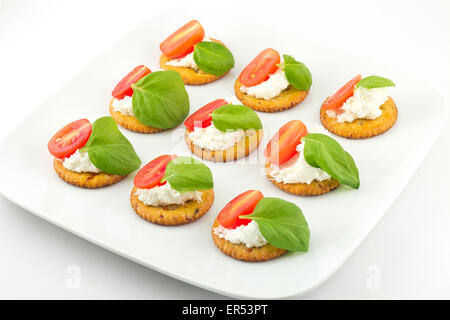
(361, 109)
(198, 59)
(172, 190)
(308, 163)
(149, 102)
(223, 131)
(92, 156)
(270, 86)
(254, 228)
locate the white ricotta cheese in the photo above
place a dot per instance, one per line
(364, 104)
(165, 195)
(186, 62)
(249, 235)
(80, 162)
(213, 139)
(124, 106)
(270, 88)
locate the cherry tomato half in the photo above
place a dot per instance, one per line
(70, 138)
(243, 204)
(151, 174)
(337, 100)
(282, 146)
(182, 41)
(123, 88)
(202, 117)
(259, 70)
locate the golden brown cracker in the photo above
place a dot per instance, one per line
(241, 149)
(288, 98)
(174, 214)
(130, 122)
(241, 252)
(315, 188)
(362, 128)
(88, 180)
(189, 75)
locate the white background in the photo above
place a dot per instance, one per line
(45, 43)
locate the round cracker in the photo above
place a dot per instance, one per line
(241, 149)
(241, 252)
(130, 122)
(190, 76)
(315, 188)
(88, 180)
(173, 215)
(288, 98)
(362, 128)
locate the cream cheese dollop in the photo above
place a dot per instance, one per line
(186, 62)
(249, 235)
(270, 88)
(364, 104)
(80, 162)
(212, 138)
(124, 106)
(166, 195)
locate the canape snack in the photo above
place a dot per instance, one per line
(172, 190)
(308, 163)
(149, 102)
(223, 131)
(198, 59)
(270, 86)
(253, 228)
(92, 156)
(360, 109)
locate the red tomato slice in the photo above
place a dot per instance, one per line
(151, 174)
(182, 41)
(337, 100)
(123, 88)
(260, 68)
(282, 146)
(243, 204)
(70, 138)
(202, 117)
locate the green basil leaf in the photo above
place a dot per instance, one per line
(282, 224)
(109, 150)
(212, 57)
(375, 82)
(297, 73)
(160, 99)
(234, 117)
(187, 174)
(322, 151)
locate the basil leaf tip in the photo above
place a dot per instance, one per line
(297, 73)
(188, 174)
(322, 151)
(235, 117)
(371, 82)
(282, 224)
(109, 150)
(160, 99)
(213, 57)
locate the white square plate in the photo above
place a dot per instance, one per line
(339, 221)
